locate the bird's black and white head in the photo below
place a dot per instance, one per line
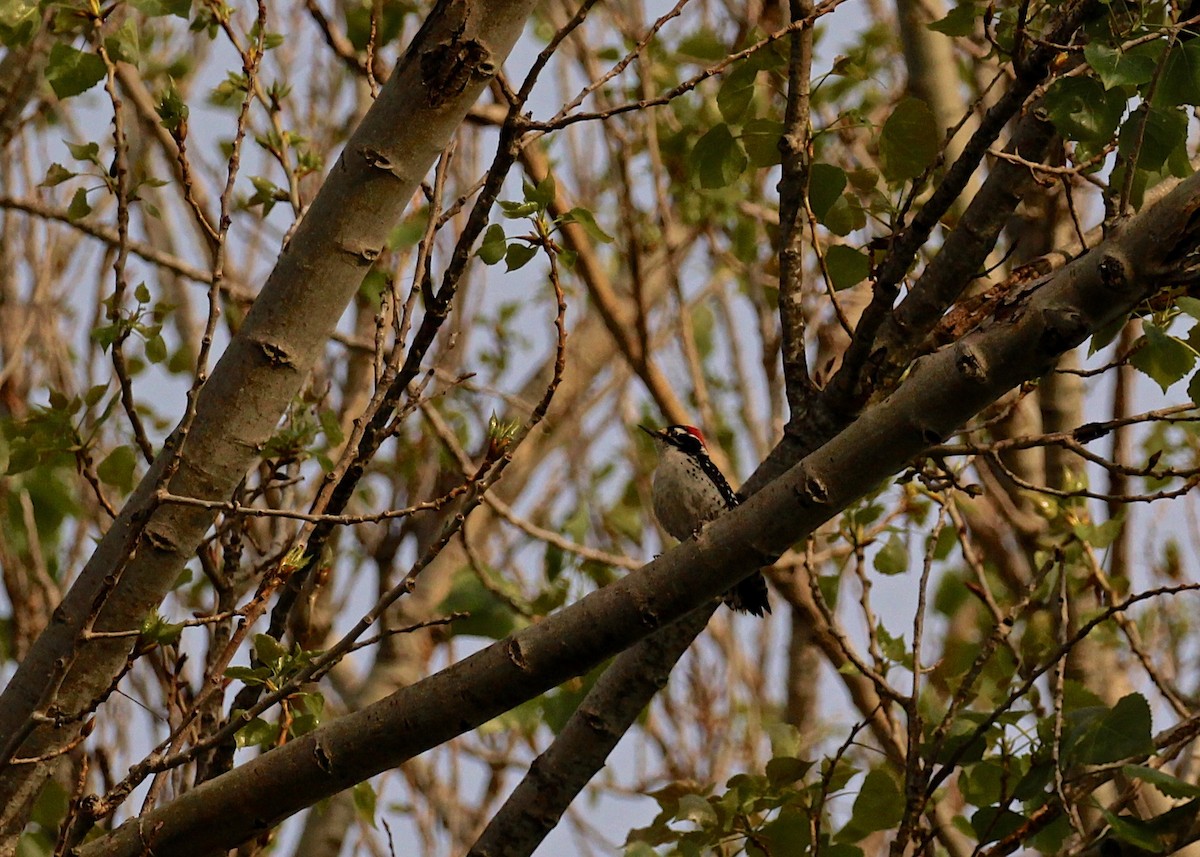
(687, 439)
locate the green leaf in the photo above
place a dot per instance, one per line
(85, 152)
(1189, 305)
(269, 651)
(117, 468)
(156, 349)
(1155, 133)
(365, 801)
(785, 770)
(489, 616)
(517, 210)
(19, 21)
(789, 833)
(1180, 80)
(1162, 357)
(1112, 735)
(892, 648)
(879, 806)
(825, 185)
(1082, 110)
(313, 704)
(494, 245)
(1117, 67)
(1100, 536)
(702, 45)
(158, 629)
(158, 8)
(71, 72)
(847, 266)
(409, 231)
(1135, 832)
(844, 217)
(960, 21)
(248, 675)
(588, 221)
(172, 109)
(985, 783)
(992, 823)
(737, 92)
(79, 205)
(760, 139)
(1161, 780)
(543, 195)
(257, 733)
(718, 158)
(694, 808)
(892, 557)
(1106, 334)
(909, 141)
(124, 45)
(947, 540)
(56, 175)
(330, 426)
(94, 394)
(518, 255)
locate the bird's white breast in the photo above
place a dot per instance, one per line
(684, 496)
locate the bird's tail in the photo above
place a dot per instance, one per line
(750, 596)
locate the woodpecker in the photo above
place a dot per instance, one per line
(688, 492)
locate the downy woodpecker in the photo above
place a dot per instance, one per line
(688, 492)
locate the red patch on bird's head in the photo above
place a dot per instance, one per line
(696, 433)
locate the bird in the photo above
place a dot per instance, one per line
(688, 491)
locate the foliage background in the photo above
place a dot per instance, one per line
(697, 215)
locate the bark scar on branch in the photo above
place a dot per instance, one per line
(448, 68)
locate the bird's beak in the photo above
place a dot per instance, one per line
(654, 433)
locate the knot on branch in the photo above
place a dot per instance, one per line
(447, 69)
(377, 160)
(648, 615)
(275, 354)
(1113, 274)
(932, 436)
(969, 362)
(321, 758)
(598, 724)
(812, 491)
(516, 654)
(1063, 327)
(158, 540)
(360, 254)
